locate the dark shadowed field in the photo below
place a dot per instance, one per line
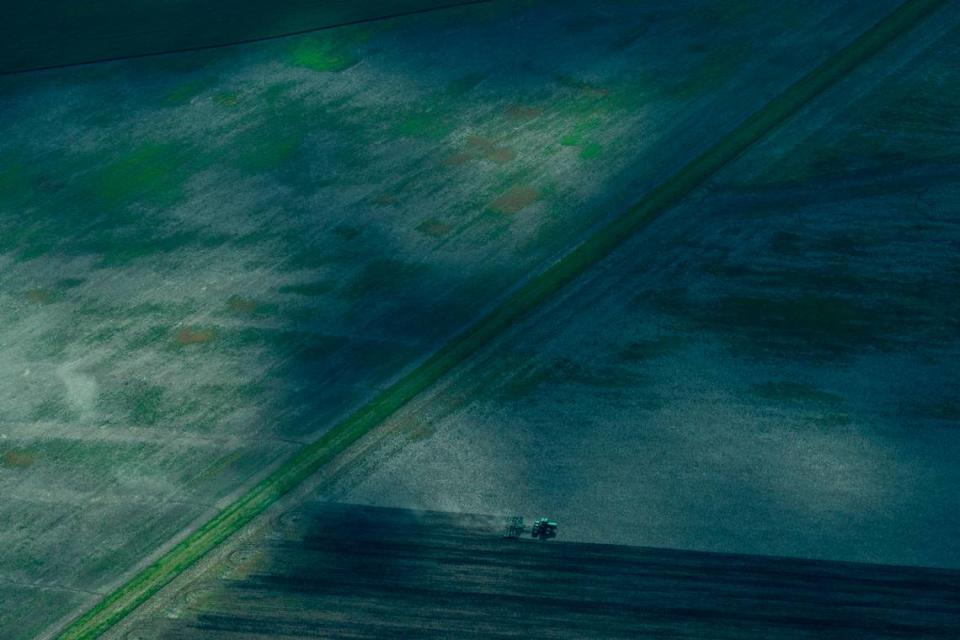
(343, 571)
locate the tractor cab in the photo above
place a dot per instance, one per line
(544, 529)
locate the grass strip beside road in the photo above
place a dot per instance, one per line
(304, 463)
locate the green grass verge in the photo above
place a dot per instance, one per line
(309, 459)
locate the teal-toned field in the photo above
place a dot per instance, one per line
(209, 259)
(770, 367)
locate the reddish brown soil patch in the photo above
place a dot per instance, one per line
(40, 296)
(434, 228)
(239, 304)
(194, 336)
(488, 149)
(515, 200)
(523, 112)
(386, 199)
(501, 155)
(17, 459)
(458, 159)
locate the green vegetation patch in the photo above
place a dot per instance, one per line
(187, 91)
(16, 187)
(327, 52)
(52, 409)
(275, 137)
(581, 135)
(423, 124)
(152, 172)
(138, 402)
(145, 403)
(591, 150)
(227, 98)
(581, 132)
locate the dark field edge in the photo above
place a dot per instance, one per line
(312, 457)
(435, 6)
(321, 574)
